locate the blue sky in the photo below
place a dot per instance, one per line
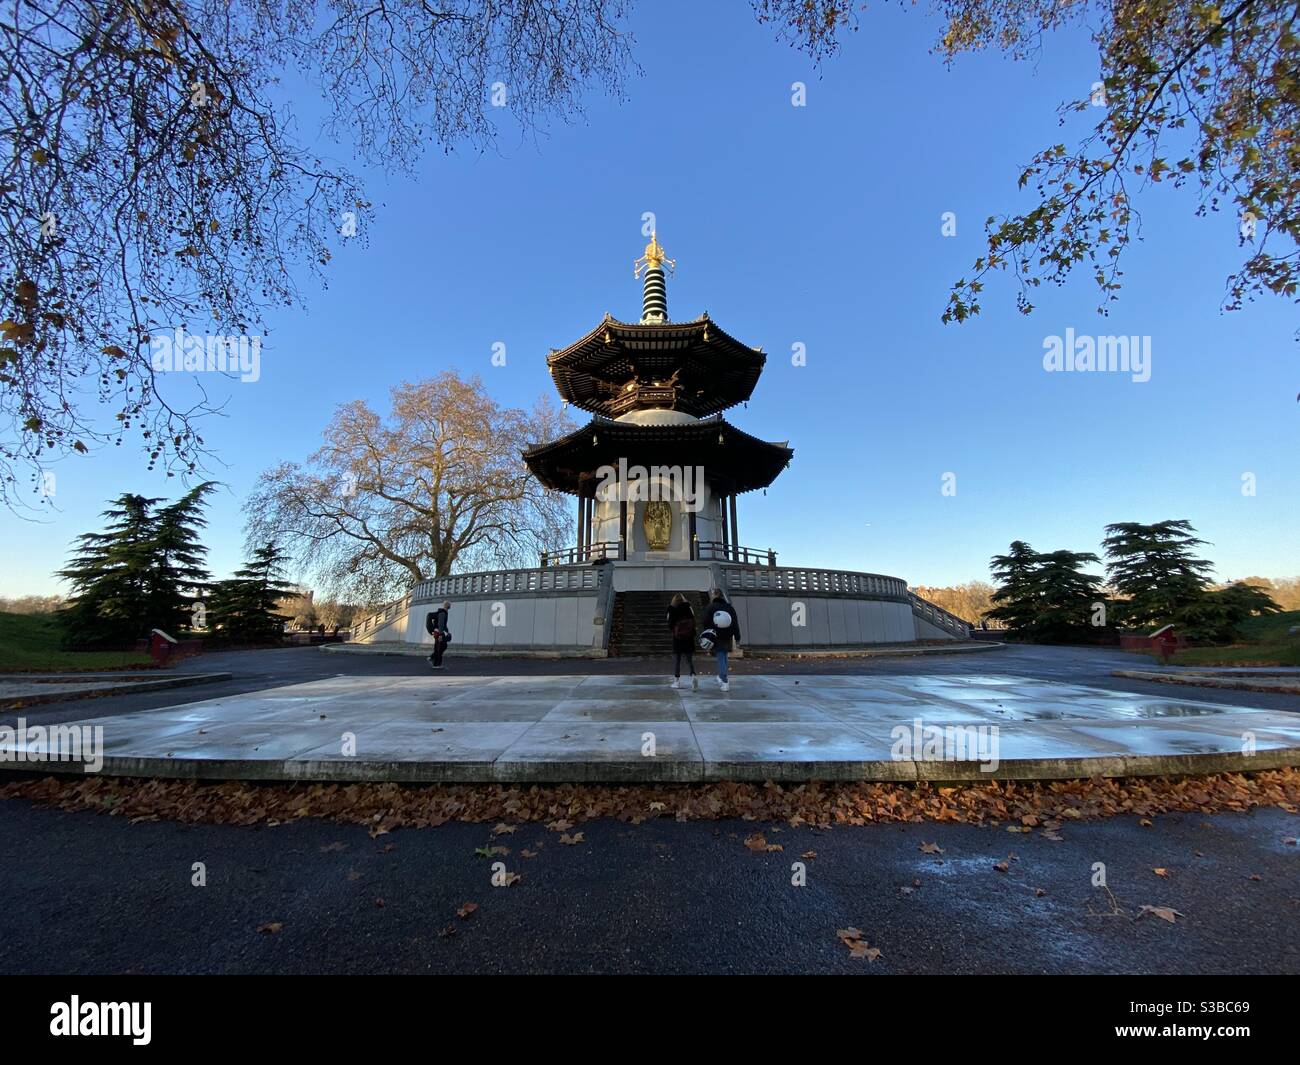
(818, 225)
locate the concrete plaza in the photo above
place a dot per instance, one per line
(630, 728)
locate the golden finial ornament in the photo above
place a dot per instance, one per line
(653, 258)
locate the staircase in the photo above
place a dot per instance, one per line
(640, 622)
(938, 617)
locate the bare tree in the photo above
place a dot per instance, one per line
(151, 181)
(437, 484)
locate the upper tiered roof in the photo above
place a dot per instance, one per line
(693, 367)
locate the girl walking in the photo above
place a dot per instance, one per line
(681, 623)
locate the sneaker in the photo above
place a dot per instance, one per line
(695, 684)
(677, 682)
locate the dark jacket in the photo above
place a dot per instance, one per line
(725, 635)
(682, 644)
(436, 621)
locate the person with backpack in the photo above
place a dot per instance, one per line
(435, 623)
(681, 623)
(723, 630)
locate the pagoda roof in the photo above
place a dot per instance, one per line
(694, 367)
(732, 460)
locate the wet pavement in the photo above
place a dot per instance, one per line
(769, 726)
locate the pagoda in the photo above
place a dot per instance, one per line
(657, 470)
(656, 473)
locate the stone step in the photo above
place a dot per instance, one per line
(640, 622)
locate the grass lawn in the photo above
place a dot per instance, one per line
(1263, 642)
(30, 643)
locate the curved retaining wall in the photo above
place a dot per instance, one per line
(793, 608)
(566, 609)
(554, 609)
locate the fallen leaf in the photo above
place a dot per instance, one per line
(271, 927)
(1161, 872)
(852, 938)
(1165, 913)
(465, 910)
(559, 826)
(571, 840)
(809, 855)
(504, 829)
(1001, 867)
(931, 848)
(527, 853)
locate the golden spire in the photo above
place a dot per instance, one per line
(653, 258)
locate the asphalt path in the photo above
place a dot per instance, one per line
(92, 894)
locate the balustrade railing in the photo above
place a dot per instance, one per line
(811, 581)
(936, 615)
(601, 551)
(507, 582)
(717, 551)
(381, 617)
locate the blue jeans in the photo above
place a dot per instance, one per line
(721, 656)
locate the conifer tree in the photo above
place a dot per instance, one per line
(1016, 597)
(1045, 597)
(1216, 615)
(180, 572)
(244, 606)
(1153, 569)
(110, 577)
(141, 573)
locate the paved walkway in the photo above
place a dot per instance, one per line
(949, 726)
(26, 688)
(1257, 681)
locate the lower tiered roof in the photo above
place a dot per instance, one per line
(733, 460)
